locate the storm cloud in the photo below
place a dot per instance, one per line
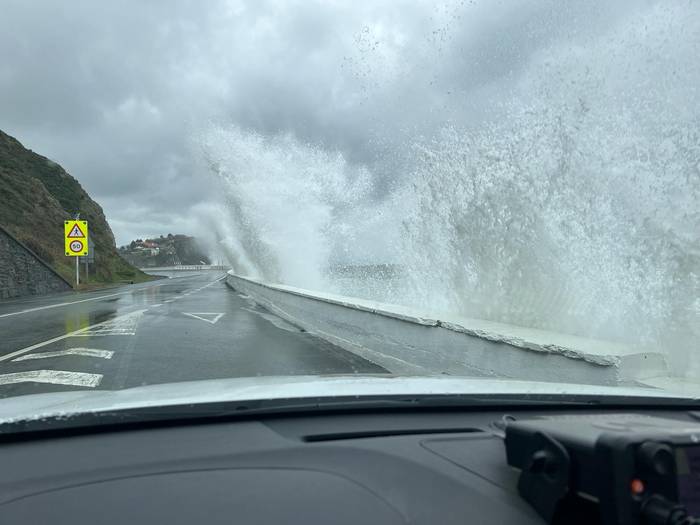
(116, 91)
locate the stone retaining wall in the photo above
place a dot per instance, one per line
(22, 272)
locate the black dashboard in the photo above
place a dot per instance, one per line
(388, 467)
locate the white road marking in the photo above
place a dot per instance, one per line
(54, 377)
(83, 332)
(61, 304)
(124, 325)
(104, 333)
(75, 302)
(197, 315)
(88, 352)
(156, 305)
(22, 351)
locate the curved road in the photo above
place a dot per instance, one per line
(182, 329)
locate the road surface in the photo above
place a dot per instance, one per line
(186, 328)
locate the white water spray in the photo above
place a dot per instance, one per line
(574, 206)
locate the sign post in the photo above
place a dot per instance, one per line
(76, 242)
(89, 258)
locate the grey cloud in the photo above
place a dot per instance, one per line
(115, 90)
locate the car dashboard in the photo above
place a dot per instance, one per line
(388, 467)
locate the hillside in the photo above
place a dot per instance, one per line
(36, 196)
(167, 250)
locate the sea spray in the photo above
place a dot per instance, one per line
(570, 203)
(288, 203)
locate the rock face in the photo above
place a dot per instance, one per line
(36, 196)
(22, 272)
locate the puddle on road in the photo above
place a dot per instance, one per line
(256, 309)
(272, 318)
(109, 322)
(79, 320)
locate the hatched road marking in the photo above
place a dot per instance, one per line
(78, 333)
(124, 325)
(109, 329)
(88, 352)
(54, 377)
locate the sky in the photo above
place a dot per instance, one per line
(119, 92)
(527, 161)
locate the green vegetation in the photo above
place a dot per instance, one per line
(36, 196)
(167, 250)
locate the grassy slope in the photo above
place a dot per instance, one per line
(36, 196)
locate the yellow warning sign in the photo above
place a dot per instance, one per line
(76, 238)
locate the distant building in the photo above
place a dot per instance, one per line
(164, 251)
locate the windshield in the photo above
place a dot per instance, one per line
(298, 195)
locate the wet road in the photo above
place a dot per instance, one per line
(181, 329)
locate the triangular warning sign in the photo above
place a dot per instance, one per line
(76, 232)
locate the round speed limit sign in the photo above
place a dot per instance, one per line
(76, 246)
